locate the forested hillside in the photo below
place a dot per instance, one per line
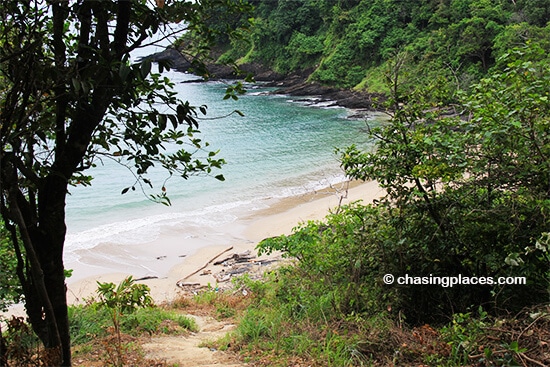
(348, 43)
(468, 192)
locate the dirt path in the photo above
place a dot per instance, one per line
(189, 351)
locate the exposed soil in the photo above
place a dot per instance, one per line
(193, 350)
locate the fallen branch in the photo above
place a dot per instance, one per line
(205, 265)
(522, 355)
(236, 258)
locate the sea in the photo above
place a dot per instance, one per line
(282, 147)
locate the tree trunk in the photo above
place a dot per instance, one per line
(42, 233)
(51, 209)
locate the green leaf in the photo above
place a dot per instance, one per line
(76, 84)
(162, 121)
(124, 71)
(174, 121)
(145, 68)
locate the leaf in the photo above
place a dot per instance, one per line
(220, 178)
(181, 111)
(145, 68)
(85, 87)
(125, 190)
(162, 121)
(124, 71)
(239, 113)
(174, 121)
(76, 84)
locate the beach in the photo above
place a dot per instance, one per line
(173, 258)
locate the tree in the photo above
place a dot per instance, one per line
(470, 196)
(69, 96)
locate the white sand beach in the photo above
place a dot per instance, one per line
(167, 256)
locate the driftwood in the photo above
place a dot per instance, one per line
(236, 258)
(205, 265)
(225, 275)
(147, 277)
(234, 264)
(190, 287)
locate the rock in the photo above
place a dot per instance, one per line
(295, 84)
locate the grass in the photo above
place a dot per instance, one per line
(89, 322)
(95, 342)
(221, 304)
(271, 333)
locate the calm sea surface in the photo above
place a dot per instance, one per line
(281, 147)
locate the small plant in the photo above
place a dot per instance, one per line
(127, 297)
(20, 346)
(463, 334)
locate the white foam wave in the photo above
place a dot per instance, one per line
(148, 228)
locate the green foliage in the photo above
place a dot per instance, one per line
(341, 262)
(10, 288)
(88, 322)
(289, 321)
(466, 194)
(462, 333)
(471, 194)
(454, 41)
(125, 297)
(92, 321)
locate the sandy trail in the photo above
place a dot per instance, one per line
(189, 351)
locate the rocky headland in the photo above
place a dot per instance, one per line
(295, 84)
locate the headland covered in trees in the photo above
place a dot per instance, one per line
(320, 47)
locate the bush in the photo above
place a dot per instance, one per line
(468, 196)
(340, 262)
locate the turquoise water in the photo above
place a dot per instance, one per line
(281, 147)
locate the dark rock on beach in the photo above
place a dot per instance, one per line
(295, 84)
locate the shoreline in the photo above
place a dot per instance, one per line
(296, 83)
(279, 218)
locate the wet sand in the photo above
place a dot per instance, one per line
(172, 257)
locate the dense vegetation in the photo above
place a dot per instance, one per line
(348, 43)
(465, 160)
(466, 195)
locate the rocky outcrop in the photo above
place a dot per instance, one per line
(295, 84)
(331, 96)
